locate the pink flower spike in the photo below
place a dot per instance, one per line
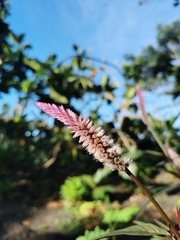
(141, 107)
(92, 138)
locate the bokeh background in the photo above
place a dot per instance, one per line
(116, 62)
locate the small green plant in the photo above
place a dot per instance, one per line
(89, 235)
(86, 187)
(120, 216)
(77, 188)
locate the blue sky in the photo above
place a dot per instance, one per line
(109, 28)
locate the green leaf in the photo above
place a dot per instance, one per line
(85, 82)
(100, 192)
(109, 96)
(162, 225)
(178, 202)
(158, 238)
(27, 86)
(89, 235)
(100, 174)
(142, 229)
(77, 187)
(87, 179)
(73, 188)
(13, 37)
(32, 63)
(57, 96)
(123, 215)
(81, 82)
(113, 85)
(130, 92)
(104, 81)
(72, 78)
(75, 47)
(173, 119)
(78, 62)
(20, 38)
(51, 59)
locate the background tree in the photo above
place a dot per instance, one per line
(27, 144)
(176, 2)
(157, 65)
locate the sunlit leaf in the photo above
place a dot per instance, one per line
(57, 96)
(130, 92)
(27, 86)
(100, 174)
(122, 215)
(20, 38)
(109, 96)
(32, 63)
(162, 225)
(101, 192)
(89, 235)
(142, 229)
(104, 81)
(51, 59)
(16, 38)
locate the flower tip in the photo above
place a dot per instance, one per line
(40, 104)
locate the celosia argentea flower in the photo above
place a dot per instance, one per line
(92, 138)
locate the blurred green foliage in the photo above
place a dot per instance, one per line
(88, 235)
(76, 187)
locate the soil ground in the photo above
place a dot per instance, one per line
(29, 221)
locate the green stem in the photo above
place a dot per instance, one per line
(158, 141)
(156, 204)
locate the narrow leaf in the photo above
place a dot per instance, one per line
(162, 225)
(142, 229)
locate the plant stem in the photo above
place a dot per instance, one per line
(155, 203)
(156, 137)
